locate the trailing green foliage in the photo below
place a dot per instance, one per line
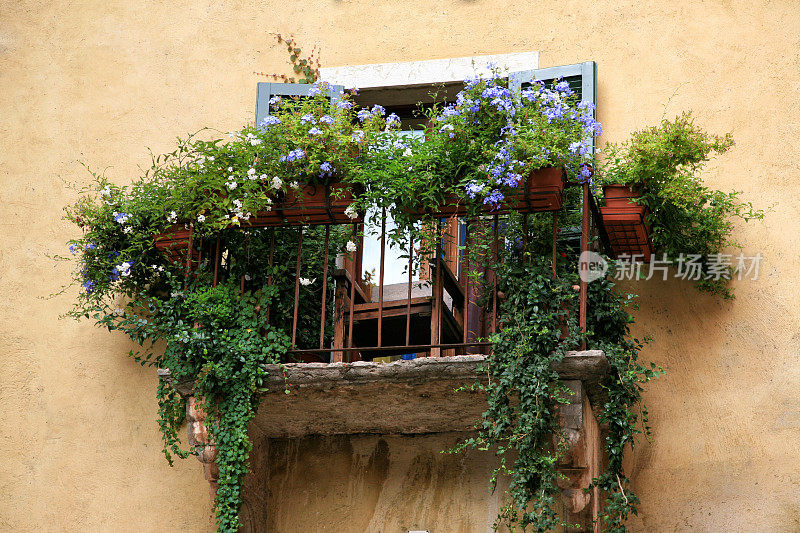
(687, 218)
(539, 324)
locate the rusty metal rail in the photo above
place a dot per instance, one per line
(456, 323)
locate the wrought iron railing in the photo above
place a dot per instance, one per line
(438, 314)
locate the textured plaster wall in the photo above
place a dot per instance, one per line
(352, 484)
(99, 81)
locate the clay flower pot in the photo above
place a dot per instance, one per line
(619, 195)
(310, 204)
(540, 191)
(624, 222)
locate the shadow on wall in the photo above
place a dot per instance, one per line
(358, 483)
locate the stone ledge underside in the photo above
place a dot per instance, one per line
(403, 397)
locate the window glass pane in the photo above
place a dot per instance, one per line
(396, 261)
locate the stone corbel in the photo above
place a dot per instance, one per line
(581, 460)
(197, 431)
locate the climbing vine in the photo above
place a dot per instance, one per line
(307, 67)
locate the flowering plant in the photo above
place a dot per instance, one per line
(663, 163)
(482, 146)
(216, 184)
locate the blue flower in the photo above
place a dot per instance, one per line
(275, 100)
(530, 94)
(326, 167)
(73, 248)
(578, 147)
(326, 119)
(89, 285)
(358, 135)
(563, 87)
(392, 120)
(315, 131)
(270, 120)
(91, 246)
(121, 217)
(308, 117)
(294, 155)
(378, 110)
(314, 91)
(494, 198)
(473, 189)
(471, 82)
(451, 111)
(363, 115)
(344, 104)
(586, 173)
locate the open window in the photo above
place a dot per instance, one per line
(382, 312)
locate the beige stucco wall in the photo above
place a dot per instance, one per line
(100, 81)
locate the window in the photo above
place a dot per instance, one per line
(404, 88)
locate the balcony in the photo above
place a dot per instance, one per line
(384, 357)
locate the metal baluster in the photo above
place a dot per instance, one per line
(297, 287)
(381, 276)
(410, 281)
(324, 289)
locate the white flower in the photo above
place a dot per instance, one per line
(294, 185)
(230, 169)
(407, 152)
(255, 141)
(264, 177)
(118, 311)
(127, 229)
(201, 218)
(306, 282)
(106, 192)
(211, 158)
(232, 185)
(247, 277)
(237, 204)
(351, 246)
(351, 211)
(251, 172)
(124, 269)
(277, 183)
(172, 217)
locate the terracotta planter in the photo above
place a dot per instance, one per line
(174, 242)
(311, 204)
(624, 222)
(541, 191)
(619, 195)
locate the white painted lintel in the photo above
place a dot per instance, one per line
(426, 72)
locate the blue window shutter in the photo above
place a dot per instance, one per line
(582, 78)
(267, 90)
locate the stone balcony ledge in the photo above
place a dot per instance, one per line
(423, 395)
